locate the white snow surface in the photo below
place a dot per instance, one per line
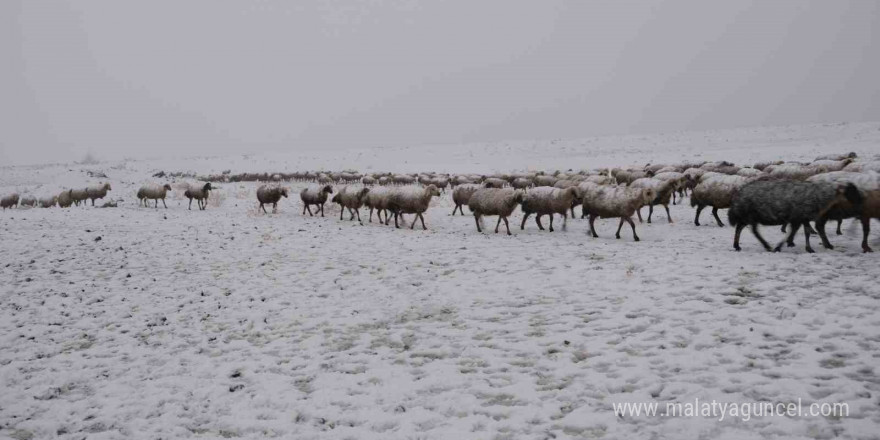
(230, 323)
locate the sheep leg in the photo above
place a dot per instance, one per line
(415, 219)
(551, 222)
(477, 221)
(322, 209)
(454, 208)
(784, 226)
(309, 208)
(395, 220)
(263, 208)
(507, 225)
(190, 204)
(498, 224)
(650, 212)
(839, 222)
(565, 221)
(668, 217)
(673, 198)
(806, 238)
(341, 211)
(525, 217)
(422, 218)
(275, 207)
(156, 205)
(572, 211)
(736, 234)
(351, 215)
(617, 234)
(592, 227)
(820, 231)
(639, 212)
(866, 229)
(717, 219)
(371, 215)
(538, 221)
(163, 203)
(789, 239)
(633, 225)
(358, 211)
(754, 227)
(697, 217)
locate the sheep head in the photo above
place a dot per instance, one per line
(328, 189)
(362, 194)
(284, 192)
(167, 186)
(432, 190)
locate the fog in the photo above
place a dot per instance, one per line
(205, 77)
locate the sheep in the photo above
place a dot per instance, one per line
(779, 202)
(861, 167)
(837, 156)
(200, 194)
(832, 165)
(79, 195)
(868, 185)
(495, 201)
(461, 195)
(48, 201)
(29, 201)
(627, 177)
(678, 182)
(98, 191)
(377, 199)
(154, 192)
(545, 180)
(142, 198)
(494, 182)
(369, 180)
(315, 196)
(716, 192)
(795, 171)
(663, 190)
(352, 199)
(10, 201)
(749, 172)
(761, 166)
(64, 199)
(549, 201)
(522, 183)
(615, 202)
(411, 201)
(269, 194)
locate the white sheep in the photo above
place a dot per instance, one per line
(494, 201)
(351, 198)
(200, 194)
(315, 196)
(377, 199)
(10, 201)
(615, 202)
(411, 201)
(462, 194)
(155, 192)
(29, 201)
(64, 199)
(48, 201)
(98, 191)
(79, 195)
(795, 171)
(716, 191)
(270, 194)
(549, 201)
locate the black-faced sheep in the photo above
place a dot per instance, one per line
(663, 189)
(494, 201)
(615, 202)
(200, 194)
(411, 201)
(351, 198)
(780, 202)
(270, 194)
(315, 196)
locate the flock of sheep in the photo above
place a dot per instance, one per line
(790, 194)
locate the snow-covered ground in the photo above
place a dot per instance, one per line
(229, 323)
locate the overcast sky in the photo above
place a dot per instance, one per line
(172, 77)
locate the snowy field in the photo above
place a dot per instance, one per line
(139, 323)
